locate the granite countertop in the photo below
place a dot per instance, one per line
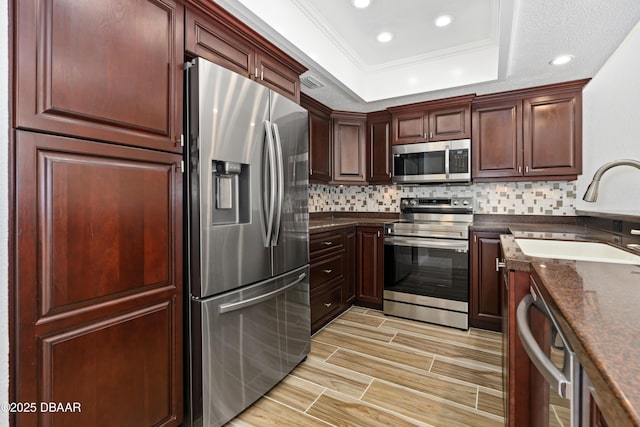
(598, 307)
(333, 223)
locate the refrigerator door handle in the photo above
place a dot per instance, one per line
(233, 306)
(270, 163)
(280, 196)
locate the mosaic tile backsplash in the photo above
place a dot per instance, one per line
(507, 198)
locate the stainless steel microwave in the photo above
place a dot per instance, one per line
(432, 162)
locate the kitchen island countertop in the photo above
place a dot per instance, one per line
(598, 307)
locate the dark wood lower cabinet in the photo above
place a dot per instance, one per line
(98, 284)
(350, 247)
(346, 267)
(370, 262)
(596, 419)
(329, 272)
(485, 296)
(516, 363)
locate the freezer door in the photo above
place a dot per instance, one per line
(291, 230)
(251, 339)
(232, 162)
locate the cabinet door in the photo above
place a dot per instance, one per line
(497, 140)
(319, 148)
(349, 266)
(206, 38)
(319, 140)
(106, 70)
(516, 363)
(409, 128)
(379, 150)
(349, 150)
(450, 123)
(553, 135)
(98, 282)
(486, 304)
(370, 262)
(277, 76)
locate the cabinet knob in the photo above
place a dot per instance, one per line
(500, 264)
(327, 271)
(328, 304)
(635, 232)
(519, 169)
(526, 169)
(430, 135)
(378, 233)
(327, 243)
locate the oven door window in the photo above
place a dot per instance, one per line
(426, 163)
(438, 273)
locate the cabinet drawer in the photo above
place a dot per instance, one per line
(326, 301)
(322, 243)
(326, 268)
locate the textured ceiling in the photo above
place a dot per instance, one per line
(519, 37)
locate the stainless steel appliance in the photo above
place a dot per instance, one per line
(432, 162)
(426, 261)
(556, 379)
(248, 241)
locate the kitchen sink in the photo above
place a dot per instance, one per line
(576, 250)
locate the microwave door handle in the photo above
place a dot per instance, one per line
(556, 379)
(446, 162)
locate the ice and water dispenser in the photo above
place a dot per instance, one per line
(230, 193)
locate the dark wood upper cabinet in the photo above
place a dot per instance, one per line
(553, 134)
(379, 158)
(214, 34)
(370, 266)
(528, 134)
(319, 140)
(349, 148)
(109, 70)
(277, 76)
(440, 120)
(497, 139)
(217, 44)
(98, 287)
(485, 294)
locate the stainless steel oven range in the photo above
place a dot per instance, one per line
(426, 261)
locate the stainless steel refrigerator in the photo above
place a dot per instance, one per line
(247, 155)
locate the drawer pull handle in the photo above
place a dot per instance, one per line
(327, 271)
(328, 304)
(635, 232)
(327, 243)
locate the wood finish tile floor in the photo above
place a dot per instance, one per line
(368, 369)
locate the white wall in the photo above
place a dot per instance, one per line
(611, 130)
(4, 208)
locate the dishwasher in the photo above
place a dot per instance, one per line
(555, 390)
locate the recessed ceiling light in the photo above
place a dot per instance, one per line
(361, 4)
(561, 60)
(443, 20)
(384, 37)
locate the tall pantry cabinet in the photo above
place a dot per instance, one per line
(97, 225)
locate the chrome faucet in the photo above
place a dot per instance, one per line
(591, 195)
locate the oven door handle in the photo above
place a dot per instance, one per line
(457, 245)
(556, 379)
